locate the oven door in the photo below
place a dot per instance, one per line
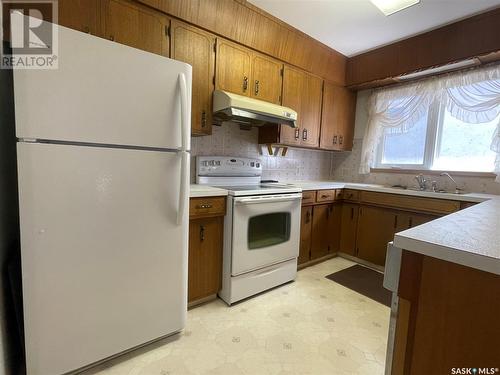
(266, 231)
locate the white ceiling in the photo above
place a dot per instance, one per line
(355, 26)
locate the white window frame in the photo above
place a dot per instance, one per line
(435, 118)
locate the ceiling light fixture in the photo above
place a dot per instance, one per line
(389, 7)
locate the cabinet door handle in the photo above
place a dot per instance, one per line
(411, 222)
(203, 119)
(352, 213)
(395, 221)
(308, 217)
(297, 133)
(334, 139)
(341, 140)
(245, 83)
(304, 135)
(204, 205)
(256, 87)
(202, 233)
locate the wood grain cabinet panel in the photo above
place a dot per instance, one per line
(266, 78)
(81, 15)
(293, 91)
(308, 197)
(376, 227)
(305, 234)
(136, 26)
(209, 206)
(325, 196)
(302, 92)
(325, 230)
(205, 257)
(337, 119)
(349, 226)
(310, 111)
(233, 68)
(196, 48)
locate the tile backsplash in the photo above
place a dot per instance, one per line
(230, 140)
(298, 164)
(345, 167)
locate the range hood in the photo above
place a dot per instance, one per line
(250, 112)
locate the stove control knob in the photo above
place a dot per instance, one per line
(252, 164)
(258, 165)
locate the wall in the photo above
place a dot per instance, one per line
(230, 140)
(345, 165)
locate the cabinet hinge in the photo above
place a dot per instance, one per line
(167, 30)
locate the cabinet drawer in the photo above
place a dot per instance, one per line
(203, 207)
(348, 195)
(325, 196)
(419, 204)
(308, 197)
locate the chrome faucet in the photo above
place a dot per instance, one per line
(422, 182)
(457, 189)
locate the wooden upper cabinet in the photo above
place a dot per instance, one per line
(310, 111)
(81, 15)
(136, 26)
(266, 79)
(233, 68)
(293, 91)
(337, 121)
(196, 48)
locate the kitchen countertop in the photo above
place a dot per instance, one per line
(470, 237)
(321, 185)
(196, 191)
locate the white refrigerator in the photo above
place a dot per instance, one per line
(103, 172)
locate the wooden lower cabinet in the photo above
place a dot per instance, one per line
(348, 228)
(376, 227)
(325, 230)
(205, 257)
(305, 234)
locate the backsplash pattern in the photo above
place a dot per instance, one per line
(230, 140)
(345, 167)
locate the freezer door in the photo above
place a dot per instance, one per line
(104, 262)
(107, 93)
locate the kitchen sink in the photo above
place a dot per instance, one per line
(441, 191)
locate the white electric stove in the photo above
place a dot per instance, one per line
(261, 227)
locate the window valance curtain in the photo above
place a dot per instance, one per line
(472, 97)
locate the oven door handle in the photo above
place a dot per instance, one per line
(269, 199)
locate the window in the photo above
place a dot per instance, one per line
(439, 141)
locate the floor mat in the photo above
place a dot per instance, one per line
(364, 281)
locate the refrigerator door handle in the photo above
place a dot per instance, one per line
(183, 189)
(185, 126)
